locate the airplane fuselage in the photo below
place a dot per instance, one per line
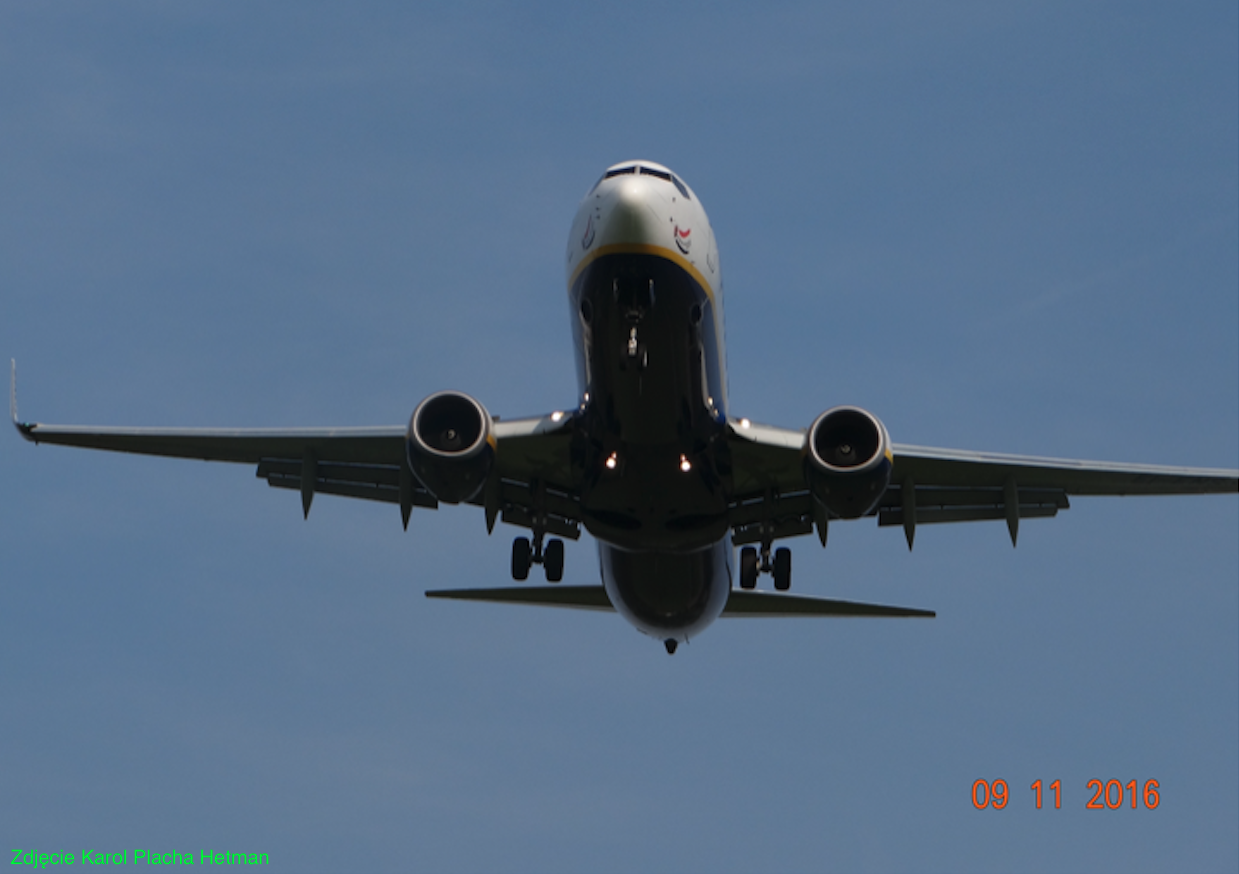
(645, 294)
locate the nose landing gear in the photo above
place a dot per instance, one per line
(635, 297)
(635, 350)
(525, 554)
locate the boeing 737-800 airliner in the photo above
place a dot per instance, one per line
(649, 459)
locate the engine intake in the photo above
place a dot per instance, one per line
(450, 447)
(849, 461)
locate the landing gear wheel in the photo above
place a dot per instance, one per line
(553, 561)
(637, 356)
(748, 567)
(522, 558)
(783, 569)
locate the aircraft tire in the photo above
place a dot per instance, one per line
(553, 561)
(748, 567)
(521, 558)
(783, 569)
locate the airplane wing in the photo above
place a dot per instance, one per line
(531, 475)
(930, 485)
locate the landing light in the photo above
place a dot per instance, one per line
(744, 423)
(685, 464)
(556, 416)
(612, 461)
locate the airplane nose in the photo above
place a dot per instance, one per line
(632, 219)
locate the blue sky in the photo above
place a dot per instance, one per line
(998, 227)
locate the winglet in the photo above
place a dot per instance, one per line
(22, 428)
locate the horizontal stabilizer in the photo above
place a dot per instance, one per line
(748, 604)
(740, 603)
(578, 597)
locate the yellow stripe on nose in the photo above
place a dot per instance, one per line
(644, 249)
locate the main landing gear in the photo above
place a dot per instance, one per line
(780, 569)
(525, 554)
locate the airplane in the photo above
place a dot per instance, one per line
(650, 460)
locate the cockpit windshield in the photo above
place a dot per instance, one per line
(633, 169)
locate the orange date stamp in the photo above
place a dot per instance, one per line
(1106, 795)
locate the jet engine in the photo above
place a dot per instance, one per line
(849, 461)
(450, 447)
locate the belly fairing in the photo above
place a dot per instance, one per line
(668, 594)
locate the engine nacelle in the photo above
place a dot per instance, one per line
(849, 461)
(450, 446)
